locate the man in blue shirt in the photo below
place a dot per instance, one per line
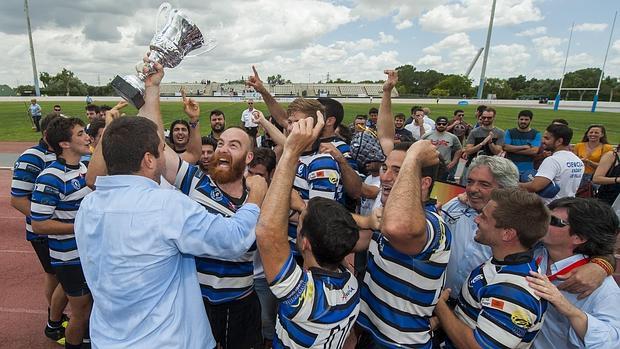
(138, 257)
(522, 143)
(496, 307)
(35, 113)
(579, 228)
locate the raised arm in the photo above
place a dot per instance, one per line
(97, 166)
(275, 109)
(600, 175)
(278, 137)
(404, 218)
(385, 120)
(271, 231)
(194, 146)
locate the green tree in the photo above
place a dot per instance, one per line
(456, 85)
(63, 83)
(439, 92)
(406, 77)
(518, 84)
(583, 78)
(6, 90)
(499, 88)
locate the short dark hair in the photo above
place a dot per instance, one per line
(559, 121)
(93, 107)
(361, 116)
(481, 108)
(592, 220)
(264, 156)
(526, 113)
(561, 131)
(95, 126)
(206, 140)
(490, 110)
(331, 231)
(60, 130)
(180, 121)
(603, 138)
(458, 111)
(522, 211)
(125, 142)
(217, 112)
(332, 108)
(400, 116)
(345, 133)
(373, 110)
(47, 120)
(416, 108)
(104, 108)
(57, 106)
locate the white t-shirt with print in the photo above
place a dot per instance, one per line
(564, 169)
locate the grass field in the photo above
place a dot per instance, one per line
(16, 126)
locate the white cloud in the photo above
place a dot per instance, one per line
(475, 14)
(386, 38)
(616, 45)
(548, 41)
(458, 50)
(590, 27)
(507, 60)
(533, 31)
(404, 24)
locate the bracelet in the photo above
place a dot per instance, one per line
(603, 264)
(616, 180)
(194, 124)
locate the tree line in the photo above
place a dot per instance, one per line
(412, 83)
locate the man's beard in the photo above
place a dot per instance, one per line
(224, 176)
(217, 128)
(522, 127)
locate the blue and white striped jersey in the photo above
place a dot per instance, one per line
(316, 308)
(498, 304)
(317, 175)
(221, 280)
(25, 172)
(400, 291)
(57, 194)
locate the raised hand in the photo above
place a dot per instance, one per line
(390, 82)
(190, 107)
(258, 116)
(255, 82)
(152, 79)
(424, 152)
(303, 133)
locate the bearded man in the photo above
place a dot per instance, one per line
(227, 287)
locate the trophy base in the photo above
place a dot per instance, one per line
(125, 87)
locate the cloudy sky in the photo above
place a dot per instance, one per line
(305, 39)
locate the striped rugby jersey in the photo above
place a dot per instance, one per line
(57, 194)
(316, 308)
(317, 175)
(400, 291)
(498, 304)
(25, 171)
(220, 280)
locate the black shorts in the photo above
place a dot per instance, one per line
(71, 277)
(42, 249)
(236, 324)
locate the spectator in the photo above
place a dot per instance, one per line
(607, 176)
(448, 145)
(373, 114)
(562, 169)
(218, 123)
(421, 123)
(400, 133)
(579, 229)
(542, 153)
(35, 113)
(590, 150)
(483, 140)
(522, 143)
(458, 126)
(247, 121)
(209, 145)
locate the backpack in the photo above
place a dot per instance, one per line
(365, 147)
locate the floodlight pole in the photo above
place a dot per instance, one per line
(556, 103)
(34, 63)
(487, 48)
(611, 34)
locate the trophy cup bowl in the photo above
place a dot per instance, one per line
(169, 46)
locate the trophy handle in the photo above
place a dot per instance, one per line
(209, 45)
(163, 7)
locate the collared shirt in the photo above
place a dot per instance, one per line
(466, 253)
(601, 308)
(137, 243)
(35, 109)
(246, 118)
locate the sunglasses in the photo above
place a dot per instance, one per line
(557, 222)
(486, 117)
(441, 124)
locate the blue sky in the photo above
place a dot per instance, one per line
(306, 39)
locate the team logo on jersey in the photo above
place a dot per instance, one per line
(333, 178)
(16, 166)
(216, 195)
(346, 294)
(76, 184)
(300, 169)
(476, 279)
(308, 293)
(520, 318)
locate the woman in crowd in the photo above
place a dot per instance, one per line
(592, 147)
(607, 176)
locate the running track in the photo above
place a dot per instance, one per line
(23, 309)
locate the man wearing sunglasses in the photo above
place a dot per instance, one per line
(449, 146)
(248, 122)
(579, 229)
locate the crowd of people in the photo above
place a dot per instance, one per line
(296, 231)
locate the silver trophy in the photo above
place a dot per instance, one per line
(178, 37)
